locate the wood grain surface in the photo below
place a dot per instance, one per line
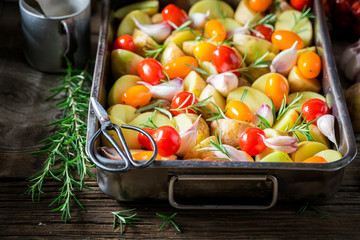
(23, 113)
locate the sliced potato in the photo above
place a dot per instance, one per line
(127, 25)
(148, 7)
(196, 152)
(216, 8)
(244, 13)
(306, 95)
(194, 83)
(299, 83)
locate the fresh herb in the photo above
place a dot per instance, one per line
(150, 122)
(124, 220)
(196, 107)
(305, 13)
(182, 27)
(284, 109)
(164, 111)
(263, 121)
(301, 127)
(168, 219)
(243, 95)
(228, 41)
(276, 6)
(219, 114)
(154, 53)
(199, 70)
(258, 63)
(65, 150)
(167, 77)
(219, 146)
(219, 9)
(158, 103)
(306, 206)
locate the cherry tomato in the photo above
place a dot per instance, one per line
(355, 9)
(276, 88)
(178, 68)
(342, 6)
(251, 142)
(144, 156)
(236, 109)
(168, 140)
(284, 39)
(151, 71)
(136, 96)
(262, 31)
(315, 159)
(144, 141)
(216, 30)
(172, 13)
(260, 5)
(203, 51)
(226, 59)
(300, 4)
(124, 42)
(313, 109)
(309, 64)
(181, 101)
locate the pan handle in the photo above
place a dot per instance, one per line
(222, 178)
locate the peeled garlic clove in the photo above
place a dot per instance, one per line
(159, 31)
(224, 82)
(166, 90)
(325, 124)
(281, 143)
(188, 138)
(284, 61)
(198, 19)
(265, 112)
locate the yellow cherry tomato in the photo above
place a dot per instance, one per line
(236, 109)
(178, 68)
(260, 5)
(315, 159)
(309, 64)
(136, 96)
(216, 30)
(284, 39)
(276, 88)
(144, 156)
(204, 51)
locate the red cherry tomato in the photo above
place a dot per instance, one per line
(355, 9)
(226, 59)
(181, 101)
(300, 4)
(172, 13)
(151, 71)
(251, 142)
(313, 109)
(144, 141)
(124, 42)
(168, 140)
(262, 31)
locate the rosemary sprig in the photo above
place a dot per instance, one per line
(150, 122)
(182, 27)
(283, 108)
(260, 62)
(65, 150)
(199, 70)
(194, 106)
(306, 206)
(302, 127)
(263, 122)
(158, 103)
(154, 53)
(168, 219)
(124, 220)
(305, 13)
(219, 146)
(216, 115)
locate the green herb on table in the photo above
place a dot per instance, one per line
(306, 206)
(168, 219)
(66, 158)
(124, 220)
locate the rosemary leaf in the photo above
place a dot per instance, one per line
(65, 150)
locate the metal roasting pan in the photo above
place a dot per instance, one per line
(217, 184)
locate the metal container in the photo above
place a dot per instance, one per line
(228, 185)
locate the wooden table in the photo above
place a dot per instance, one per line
(24, 112)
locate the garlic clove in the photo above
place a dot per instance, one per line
(111, 153)
(284, 61)
(159, 31)
(326, 126)
(235, 154)
(224, 82)
(166, 90)
(198, 19)
(281, 143)
(188, 138)
(243, 30)
(265, 112)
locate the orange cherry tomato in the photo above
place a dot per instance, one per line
(276, 88)
(177, 68)
(144, 156)
(309, 64)
(204, 51)
(236, 109)
(260, 5)
(315, 159)
(136, 96)
(284, 39)
(216, 30)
